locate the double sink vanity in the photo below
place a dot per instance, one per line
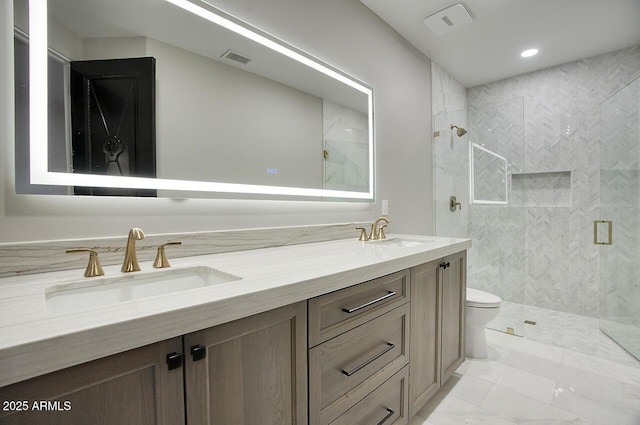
(336, 332)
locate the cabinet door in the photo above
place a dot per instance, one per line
(454, 295)
(424, 369)
(134, 387)
(254, 372)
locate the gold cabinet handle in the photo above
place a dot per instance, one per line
(93, 268)
(161, 260)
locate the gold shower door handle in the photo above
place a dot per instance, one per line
(596, 229)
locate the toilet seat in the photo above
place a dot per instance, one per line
(481, 299)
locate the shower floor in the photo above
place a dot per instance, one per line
(565, 330)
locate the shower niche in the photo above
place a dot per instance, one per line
(542, 189)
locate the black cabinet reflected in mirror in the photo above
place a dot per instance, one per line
(113, 121)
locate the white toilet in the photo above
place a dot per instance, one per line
(482, 307)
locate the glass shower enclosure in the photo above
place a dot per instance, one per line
(477, 169)
(618, 231)
(512, 245)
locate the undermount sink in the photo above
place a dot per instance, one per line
(88, 294)
(398, 242)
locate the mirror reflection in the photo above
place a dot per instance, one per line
(142, 88)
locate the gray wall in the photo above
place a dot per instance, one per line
(341, 32)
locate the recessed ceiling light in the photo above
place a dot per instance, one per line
(528, 53)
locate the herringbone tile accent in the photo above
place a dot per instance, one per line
(541, 253)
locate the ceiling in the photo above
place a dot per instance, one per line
(489, 48)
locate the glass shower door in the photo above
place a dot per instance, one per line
(476, 168)
(496, 262)
(619, 204)
(451, 163)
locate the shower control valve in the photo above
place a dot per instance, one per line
(454, 204)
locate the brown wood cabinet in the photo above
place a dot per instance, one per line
(454, 297)
(254, 372)
(424, 369)
(358, 339)
(134, 387)
(438, 296)
(247, 372)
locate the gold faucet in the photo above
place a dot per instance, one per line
(93, 268)
(161, 260)
(130, 259)
(375, 233)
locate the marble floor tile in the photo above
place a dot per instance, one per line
(499, 339)
(546, 351)
(467, 387)
(454, 411)
(534, 383)
(569, 378)
(631, 393)
(599, 410)
(534, 364)
(624, 332)
(526, 383)
(624, 373)
(521, 409)
(568, 331)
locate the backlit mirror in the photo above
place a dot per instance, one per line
(172, 97)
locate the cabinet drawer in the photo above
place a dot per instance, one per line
(387, 405)
(346, 368)
(337, 312)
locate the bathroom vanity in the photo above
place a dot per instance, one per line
(339, 332)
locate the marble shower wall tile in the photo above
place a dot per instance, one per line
(346, 138)
(561, 132)
(47, 256)
(496, 261)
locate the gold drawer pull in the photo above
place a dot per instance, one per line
(390, 346)
(390, 413)
(367, 304)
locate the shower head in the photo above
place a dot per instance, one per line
(459, 130)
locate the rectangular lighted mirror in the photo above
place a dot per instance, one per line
(489, 176)
(281, 124)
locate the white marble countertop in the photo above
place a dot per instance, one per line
(34, 341)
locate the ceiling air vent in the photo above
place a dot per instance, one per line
(235, 57)
(449, 19)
